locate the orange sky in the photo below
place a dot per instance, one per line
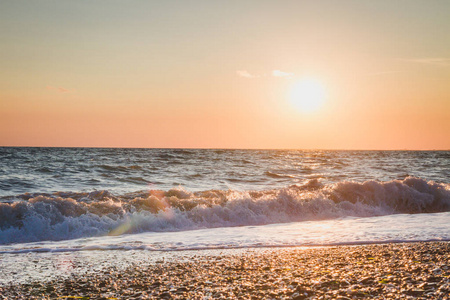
(210, 74)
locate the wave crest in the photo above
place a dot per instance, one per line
(67, 215)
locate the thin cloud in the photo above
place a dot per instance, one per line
(278, 73)
(60, 89)
(435, 61)
(245, 74)
(63, 90)
(383, 73)
(274, 73)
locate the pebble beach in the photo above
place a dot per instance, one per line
(378, 271)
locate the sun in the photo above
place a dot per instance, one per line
(307, 95)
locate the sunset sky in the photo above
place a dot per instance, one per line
(225, 74)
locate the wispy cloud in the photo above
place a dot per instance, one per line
(278, 73)
(383, 73)
(59, 89)
(436, 61)
(245, 74)
(274, 73)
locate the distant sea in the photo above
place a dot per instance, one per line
(57, 200)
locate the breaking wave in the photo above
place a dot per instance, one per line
(69, 215)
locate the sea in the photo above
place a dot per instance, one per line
(63, 209)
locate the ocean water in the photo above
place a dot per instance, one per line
(81, 200)
(50, 195)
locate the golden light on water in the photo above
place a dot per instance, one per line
(307, 95)
(156, 203)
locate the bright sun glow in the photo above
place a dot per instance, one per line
(307, 95)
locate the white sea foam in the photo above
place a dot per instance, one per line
(342, 231)
(62, 216)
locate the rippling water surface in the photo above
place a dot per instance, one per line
(70, 199)
(46, 170)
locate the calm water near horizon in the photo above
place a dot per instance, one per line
(78, 200)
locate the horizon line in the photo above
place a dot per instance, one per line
(221, 148)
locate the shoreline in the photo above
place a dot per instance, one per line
(415, 270)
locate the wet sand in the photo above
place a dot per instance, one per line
(386, 271)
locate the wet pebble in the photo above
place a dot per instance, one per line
(389, 271)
